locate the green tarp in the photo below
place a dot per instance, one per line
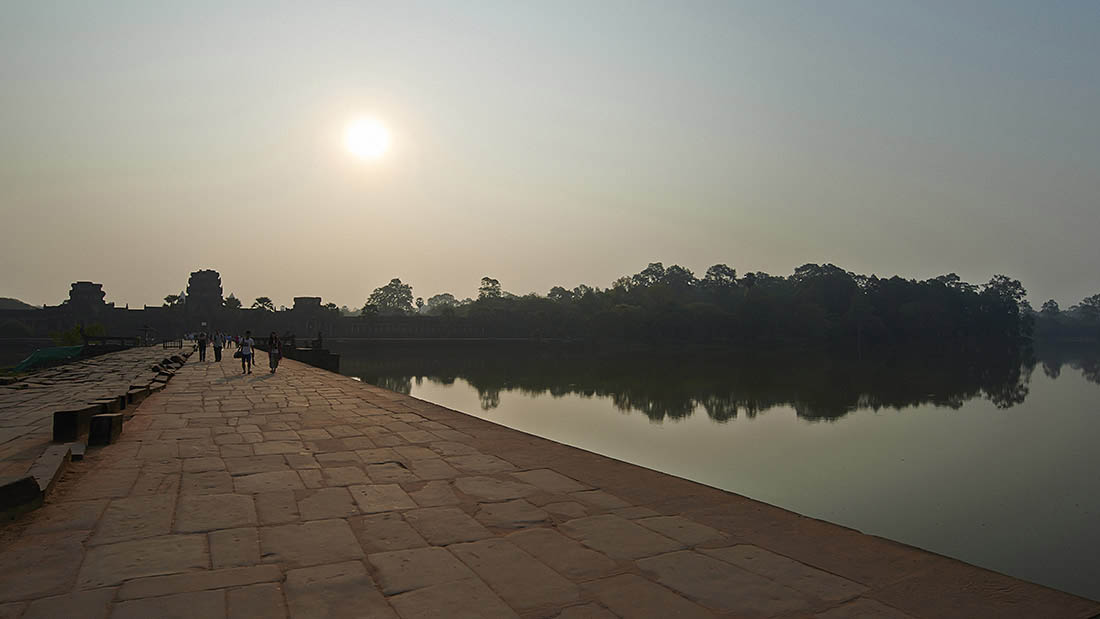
(48, 356)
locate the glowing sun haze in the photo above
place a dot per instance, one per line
(367, 138)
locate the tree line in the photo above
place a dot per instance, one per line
(816, 303)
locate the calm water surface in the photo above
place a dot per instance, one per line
(992, 459)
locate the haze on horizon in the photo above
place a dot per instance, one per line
(544, 144)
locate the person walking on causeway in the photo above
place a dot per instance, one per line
(274, 351)
(202, 345)
(248, 350)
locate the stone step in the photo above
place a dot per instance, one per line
(18, 495)
(72, 423)
(105, 429)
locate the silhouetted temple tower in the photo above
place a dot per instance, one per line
(204, 296)
(86, 299)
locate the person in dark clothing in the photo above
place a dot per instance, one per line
(274, 351)
(202, 345)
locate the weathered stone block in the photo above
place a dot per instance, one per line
(72, 423)
(446, 525)
(385, 532)
(36, 566)
(786, 571)
(156, 586)
(89, 604)
(629, 595)
(196, 604)
(619, 538)
(564, 555)
(116, 563)
(108, 405)
(514, 514)
(311, 543)
(18, 495)
(381, 498)
(460, 599)
(105, 429)
(137, 394)
(335, 591)
(135, 517)
(682, 530)
(523, 581)
(407, 570)
(722, 586)
(47, 468)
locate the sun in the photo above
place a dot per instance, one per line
(367, 139)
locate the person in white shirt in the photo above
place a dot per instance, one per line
(247, 351)
(219, 343)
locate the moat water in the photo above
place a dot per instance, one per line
(992, 458)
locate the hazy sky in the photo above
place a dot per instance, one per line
(544, 143)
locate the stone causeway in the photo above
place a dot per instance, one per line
(309, 494)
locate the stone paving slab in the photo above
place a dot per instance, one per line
(335, 591)
(520, 579)
(308, 494)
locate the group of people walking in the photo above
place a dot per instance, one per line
(246, 348)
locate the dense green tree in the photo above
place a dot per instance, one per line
(489, 289)
(173, 300)
(652, 274)
(720, 277)
(393, 298)
(441, 303)
(1090, 307)
(559, 294)
(679, 278)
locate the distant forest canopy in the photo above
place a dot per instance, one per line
(816, 303)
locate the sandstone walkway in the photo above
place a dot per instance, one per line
(308, 494)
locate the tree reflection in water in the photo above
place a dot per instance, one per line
(817, 385)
